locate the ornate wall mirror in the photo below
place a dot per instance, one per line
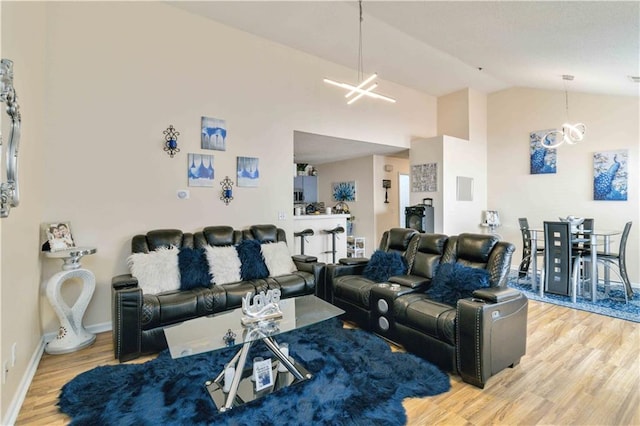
(9, 193)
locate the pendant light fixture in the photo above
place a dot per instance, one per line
(356, 92)
(570, 133)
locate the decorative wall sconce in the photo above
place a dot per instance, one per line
(9, 193)
(386, 184)
(227, 191)
(171, 141)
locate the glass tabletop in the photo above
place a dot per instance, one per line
(208, 333)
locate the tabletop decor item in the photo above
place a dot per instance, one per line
(59, 236)
(574, 222)
(171, 141)
(265, 306)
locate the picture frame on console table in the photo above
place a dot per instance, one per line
(59, 236)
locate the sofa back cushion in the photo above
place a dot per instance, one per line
(217, 236)
(482, 251)
(155, 239)
(264, 234)
(427, 253)
(397, 239)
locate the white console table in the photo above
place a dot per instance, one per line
(71, 335)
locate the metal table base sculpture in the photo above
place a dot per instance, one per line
(71, 335)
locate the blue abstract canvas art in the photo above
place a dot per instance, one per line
(248, 172)
(542, 160)
(344, 191)
(214, 134)
(200, 170)
(610, 175)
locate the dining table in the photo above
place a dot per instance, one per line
(597, 238)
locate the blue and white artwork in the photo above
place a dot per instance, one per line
(344, 191)
(214, 134)
(543, 160)
(248, 172)
(201, 170)
(610, 175)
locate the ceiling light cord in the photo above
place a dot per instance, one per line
(570, 133)
(360, 88)
(360, 61)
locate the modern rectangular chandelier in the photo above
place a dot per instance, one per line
(356, 92)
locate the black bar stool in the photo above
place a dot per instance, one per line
(303, 234)
(337, 230)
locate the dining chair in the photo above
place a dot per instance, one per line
(523, 268)
(561, 263)
(619, 260)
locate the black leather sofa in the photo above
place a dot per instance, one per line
(139, 319)
(476, 338)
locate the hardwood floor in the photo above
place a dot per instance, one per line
(580, 368)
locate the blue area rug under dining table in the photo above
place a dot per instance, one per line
(613, 306)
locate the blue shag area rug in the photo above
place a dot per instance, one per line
(357, 380)
(612, 306)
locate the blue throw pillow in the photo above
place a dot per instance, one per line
(252, 263)
(454, 281)
(194, 269)
(383, 265)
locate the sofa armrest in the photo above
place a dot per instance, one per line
(351, 261)
(301, 258)
(490, 337)
(126, 304)
(411, 281)
(335, 270)
(120, 282)
(496, 294)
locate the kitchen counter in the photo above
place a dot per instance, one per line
(320, 243)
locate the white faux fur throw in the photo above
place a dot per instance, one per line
(278, 259)
(224, 264)
(156, 271)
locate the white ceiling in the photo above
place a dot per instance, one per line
(439, 47)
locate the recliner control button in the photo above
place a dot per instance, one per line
(383, 306)
(383, 323)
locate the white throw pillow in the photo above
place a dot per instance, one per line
(224, 264)
(278, 259)
(156, 271)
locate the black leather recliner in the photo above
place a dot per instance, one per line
(476, 338)
(139, 319)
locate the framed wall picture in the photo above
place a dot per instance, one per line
(200, 170)
(610, 175)
(424, 177)
(59, 236)
(344, 191)
(248, 172)
(541, 160)
(214, 134)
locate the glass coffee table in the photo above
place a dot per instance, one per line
(237, 385)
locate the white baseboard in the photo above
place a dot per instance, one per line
(21, 393)
(16, 403)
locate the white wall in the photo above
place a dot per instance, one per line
(455, 157)
(23, 41)
(387, 215)
(612, 123)
(116, 74)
